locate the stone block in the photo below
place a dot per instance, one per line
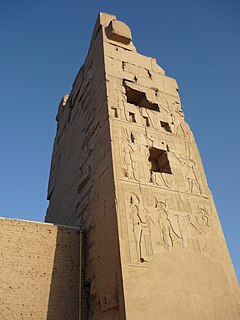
(118, 31)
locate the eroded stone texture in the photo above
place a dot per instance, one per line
(39, 278)
(81, 186)
(126, 169)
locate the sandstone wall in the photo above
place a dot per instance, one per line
(81, 185)
(126, 169)
(175, 263)
(39, 271)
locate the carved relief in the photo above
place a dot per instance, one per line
(164, 231)
(161, 179)
(162, 166)
(154, 157)
(177, 227)
(190, 174)
(139, 231)
(178, 178)
(164, 225)
(185, 173)
(200, 221)
(129, 155)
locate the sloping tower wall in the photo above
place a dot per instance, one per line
(126, 169)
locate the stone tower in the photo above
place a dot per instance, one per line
(126, 169)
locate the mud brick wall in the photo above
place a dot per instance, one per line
(39, 271)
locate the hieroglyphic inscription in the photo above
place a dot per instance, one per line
(164, 224)
(182, 175)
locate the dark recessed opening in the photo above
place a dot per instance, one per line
(146, 121)
(139, 99)
(159, 161)
(132, 117)
(115, 112)
(132, 138)
(165, 126)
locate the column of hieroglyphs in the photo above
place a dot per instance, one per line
(126, 169)
(175, 262)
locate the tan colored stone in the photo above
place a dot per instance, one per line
(39, 276)
(156, 67)
(119, 31)
(126, 169)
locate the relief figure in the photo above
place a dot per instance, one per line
(140, 231)
(168, 233)
(190, 174)
(129, 153)
(200, 220)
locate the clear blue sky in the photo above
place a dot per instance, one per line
(43, 44)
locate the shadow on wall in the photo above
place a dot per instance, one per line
(64, 290)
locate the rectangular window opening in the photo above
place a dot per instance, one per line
(139, 99)
(146, 121)
(115, 112)
(165, 126)
(132, 117)
(159, 161)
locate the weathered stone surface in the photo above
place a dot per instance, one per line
(39, 276)
(126, 169)
(119, 31)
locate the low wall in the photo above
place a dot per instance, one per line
(39, 271)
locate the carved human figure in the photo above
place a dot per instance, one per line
(140, 229)
(190, 173)
(129, 150)
(200, 220)
(205, 216)
(165, 226)
(166, 231)
(179, 126)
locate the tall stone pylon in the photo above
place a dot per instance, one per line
(126, 169)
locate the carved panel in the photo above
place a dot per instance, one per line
(166, 222)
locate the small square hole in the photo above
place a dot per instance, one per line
(165, 126)
(146, 121)
(132, 117)
(115, 112)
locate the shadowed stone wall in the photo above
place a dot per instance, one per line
(39, 271)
